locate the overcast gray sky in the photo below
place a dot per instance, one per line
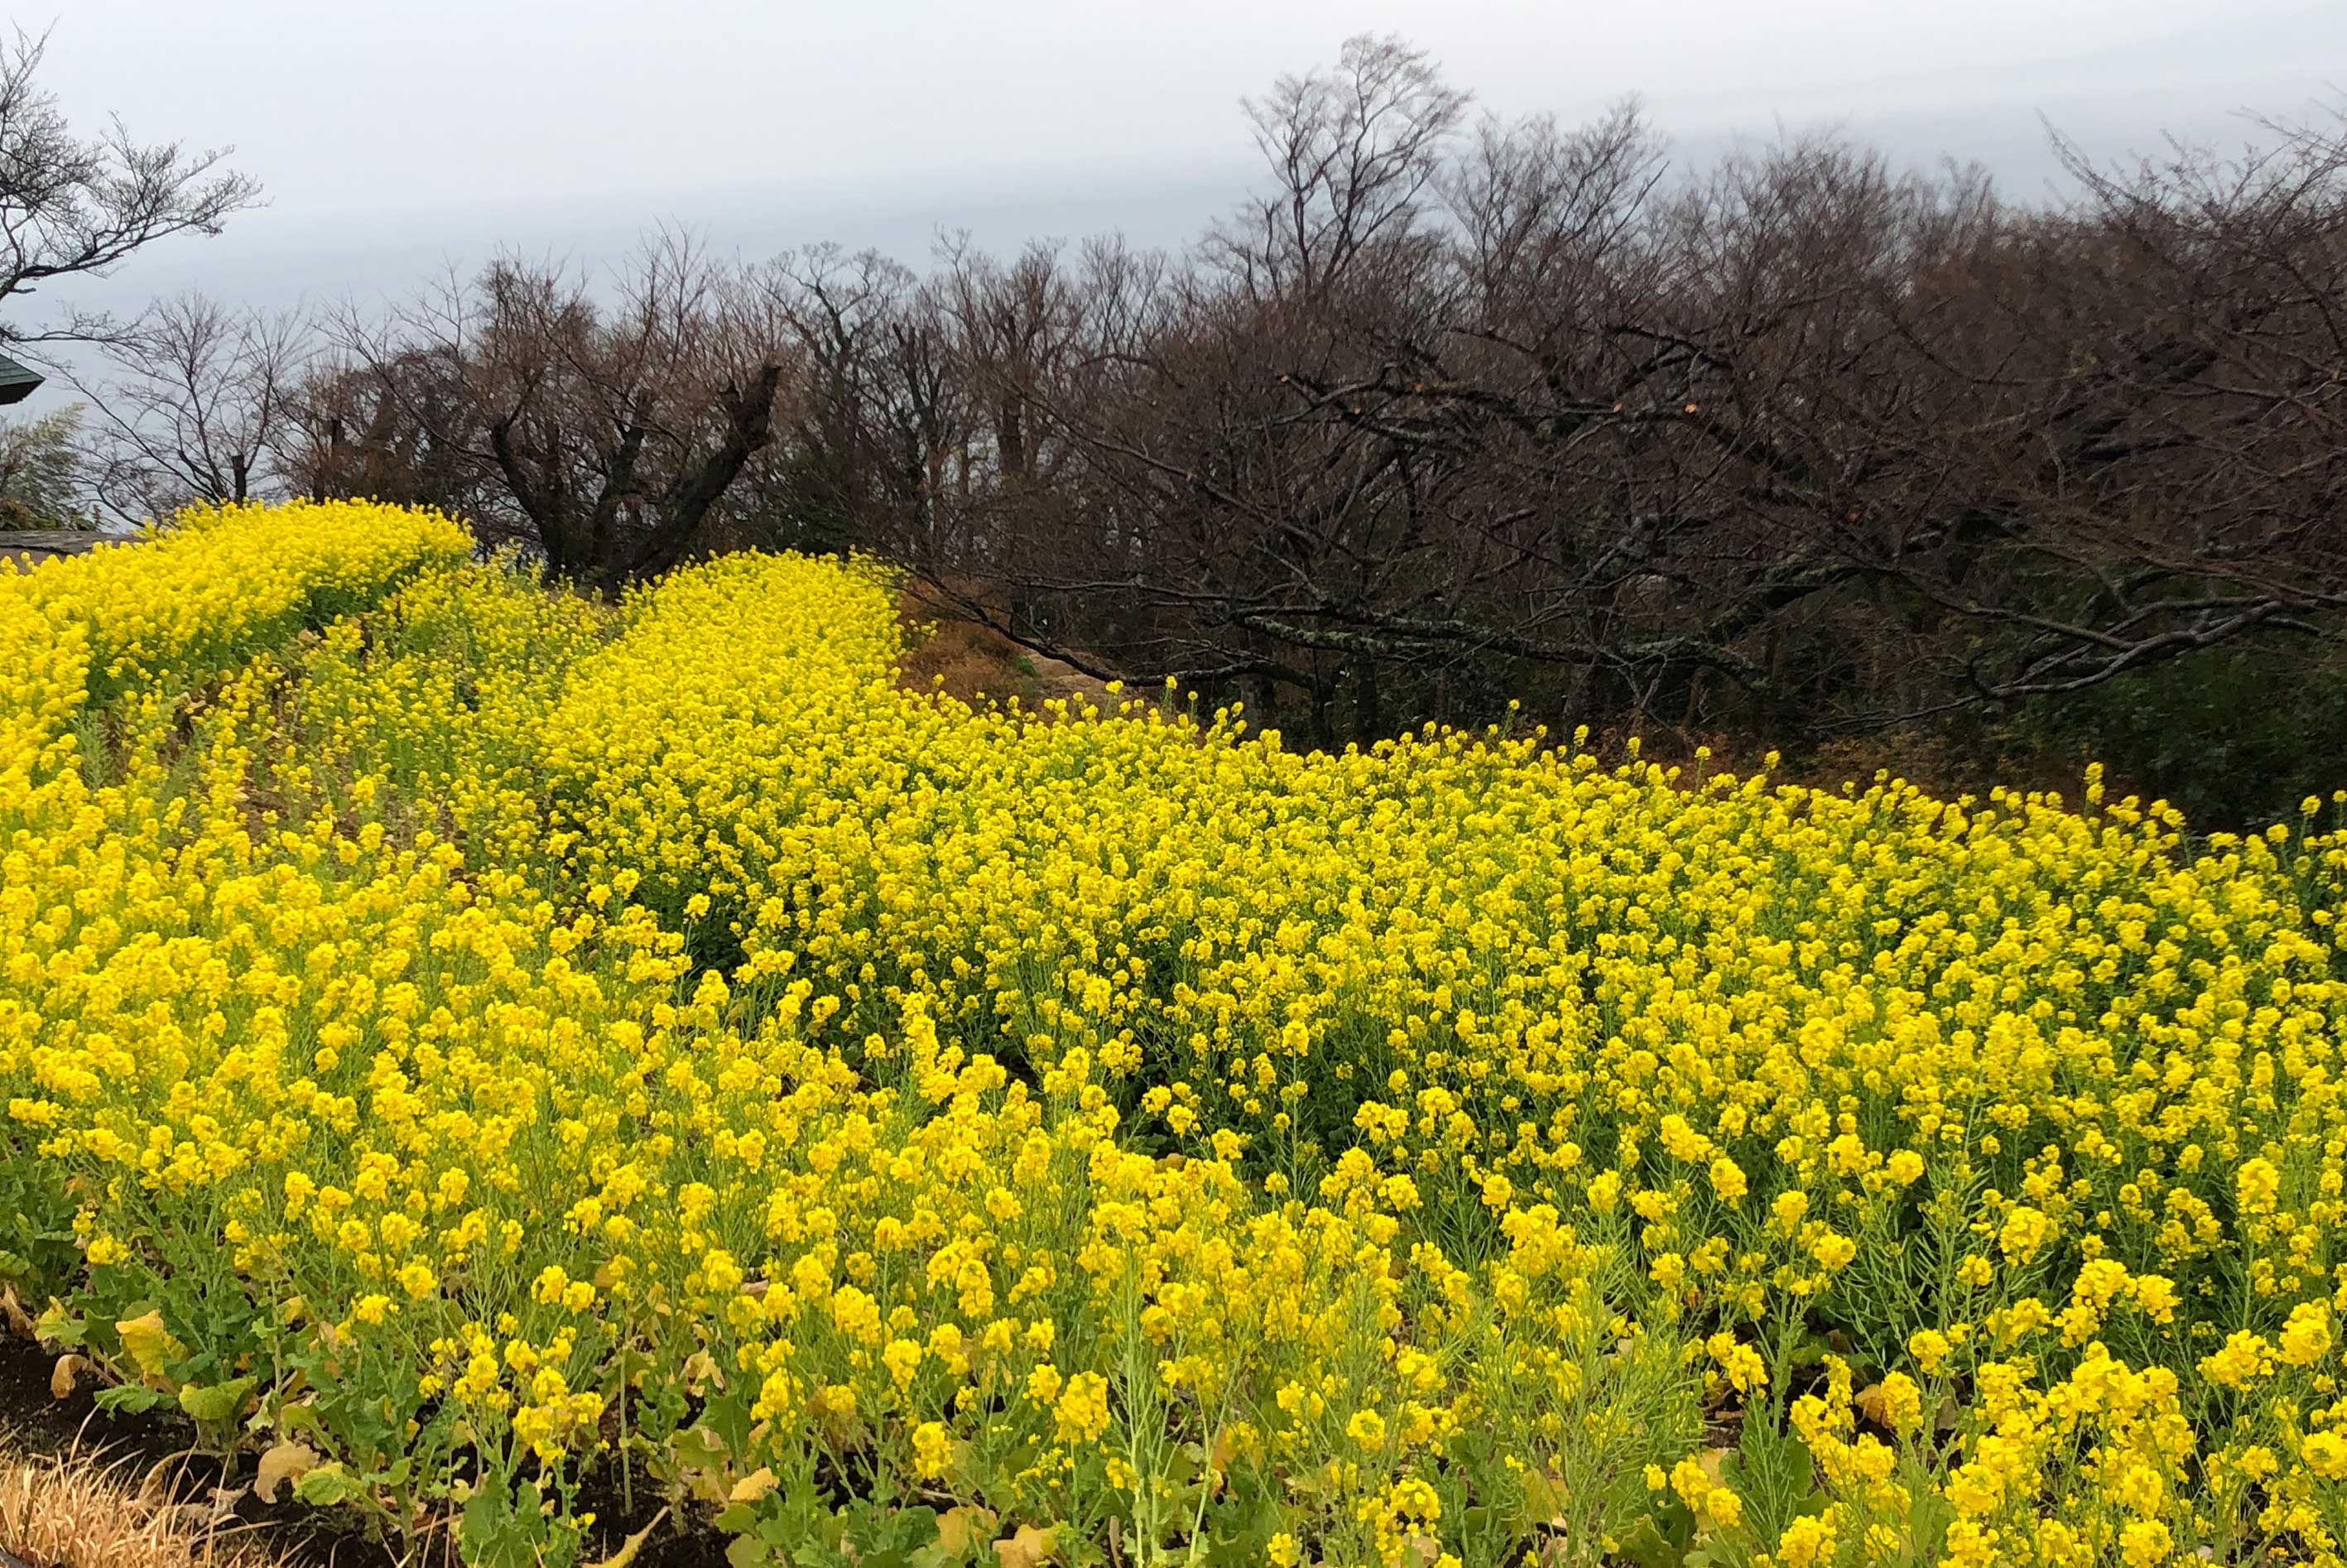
(393, 138)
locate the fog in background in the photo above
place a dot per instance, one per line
(398, 141)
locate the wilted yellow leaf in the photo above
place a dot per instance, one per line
(150, 1345)
(701, 1370)
(285, 1462)
(1028, 1548)
(634, 1544)
(754, 1486)
(959, 1529)
(65, 1375)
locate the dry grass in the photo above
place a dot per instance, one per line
(974, 662)
(71, 1512)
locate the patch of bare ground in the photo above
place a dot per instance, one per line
(945, 651)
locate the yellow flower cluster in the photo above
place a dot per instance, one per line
(474, 1033)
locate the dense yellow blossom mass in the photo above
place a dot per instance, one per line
(459, 1038)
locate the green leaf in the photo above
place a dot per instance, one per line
(57, 1326)
(130, 1397)
(698, 1446)
(328, 1485)
(295, 1419)
(1661, 1538)
(1774, 1474)
(888, 1538)
(218, 1403)
(495, 1532)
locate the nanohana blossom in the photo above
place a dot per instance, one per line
(508, 1035)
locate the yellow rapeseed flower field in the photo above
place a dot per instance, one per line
(463, 1044)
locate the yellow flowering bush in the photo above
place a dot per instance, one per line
(457, 1037)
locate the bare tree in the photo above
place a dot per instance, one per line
(194, 402)
(1454, 410)
(72, 205)
(395, 425)
(607, 432)
(1353, 154)
(1797, 441)
(881, 416)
